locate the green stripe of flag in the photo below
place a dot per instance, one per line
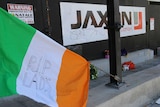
(15, 37)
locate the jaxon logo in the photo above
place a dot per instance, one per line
(125, 18)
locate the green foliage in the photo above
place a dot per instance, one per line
(93, 72)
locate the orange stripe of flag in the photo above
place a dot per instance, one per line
(73, 81)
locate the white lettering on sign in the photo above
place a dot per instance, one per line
(19, 7)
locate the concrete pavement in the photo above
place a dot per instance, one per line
(141, 88)
(19, 101)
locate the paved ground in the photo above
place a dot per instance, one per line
(19, 101)
(22, 101)
(139, 67)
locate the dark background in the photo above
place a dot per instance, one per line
(49, 22)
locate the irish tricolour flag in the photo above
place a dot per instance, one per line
(36, 66)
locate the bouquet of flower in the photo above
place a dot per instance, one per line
(93, 72)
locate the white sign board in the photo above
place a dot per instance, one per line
(152, 24)
(83, 23)
(22, 11)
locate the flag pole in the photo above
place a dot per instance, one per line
(114, 27)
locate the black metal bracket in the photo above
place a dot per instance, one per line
(117, 85)
(117, 26)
